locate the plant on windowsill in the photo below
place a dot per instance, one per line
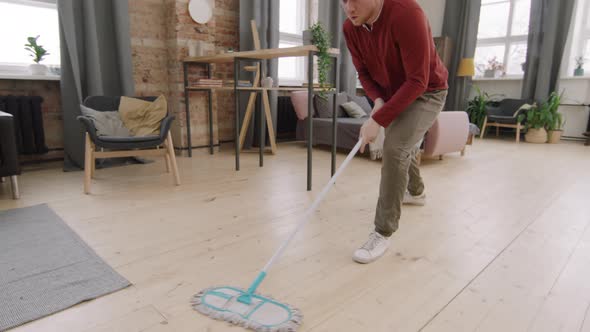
(38, 53)
(579, 71)
(321, 39)
(493, 67)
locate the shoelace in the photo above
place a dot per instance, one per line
(372, 242)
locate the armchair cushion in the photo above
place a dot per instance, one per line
(143, 118)
(105, 123)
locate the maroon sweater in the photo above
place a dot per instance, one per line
(397, 60)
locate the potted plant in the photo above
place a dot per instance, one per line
(579, 71)
(38, 53)
(321, 39)
(537, 118)
(556, 121)
(493, 67)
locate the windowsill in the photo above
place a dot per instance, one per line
(575, 78)
(497, 79)
(5, 76)
(572, 78)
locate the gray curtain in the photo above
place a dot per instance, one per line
(266, 14)
(332, 17)
(461, 23)
(548, 29)
(95, 60)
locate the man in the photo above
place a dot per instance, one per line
(393, 51)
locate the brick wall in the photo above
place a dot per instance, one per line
(52, 116)
(160, 33)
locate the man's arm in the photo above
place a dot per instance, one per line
(412, 35)
(371, 88)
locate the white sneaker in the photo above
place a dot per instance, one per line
(374, 248)
(414, 200)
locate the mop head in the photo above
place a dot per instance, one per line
(259, 313)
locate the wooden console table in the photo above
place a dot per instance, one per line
(260, 56)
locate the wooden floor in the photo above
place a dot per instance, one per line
(502, 245)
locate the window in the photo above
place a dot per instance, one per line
(293, 20)
(28, 18)
(579, 39)
(502, 37)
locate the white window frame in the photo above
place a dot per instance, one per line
(18, 70)
(297, 40)
(507, 40)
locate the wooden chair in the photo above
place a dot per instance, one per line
(252, 99)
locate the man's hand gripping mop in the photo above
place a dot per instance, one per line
(254, 311)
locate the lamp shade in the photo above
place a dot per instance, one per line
(466, 67)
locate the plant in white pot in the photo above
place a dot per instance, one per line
(579, 71)
(537, 119)
(38, 53)
(556, 120)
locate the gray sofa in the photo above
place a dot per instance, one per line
(347, 130)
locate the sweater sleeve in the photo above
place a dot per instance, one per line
(371, 87)
(412, 36)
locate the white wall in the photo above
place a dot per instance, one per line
(435, 10)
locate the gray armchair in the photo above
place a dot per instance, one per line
(504, 114)
(124, 146)
(9, 166)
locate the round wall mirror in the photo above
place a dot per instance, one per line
(200, 11)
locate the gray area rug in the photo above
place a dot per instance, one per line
(45, 267)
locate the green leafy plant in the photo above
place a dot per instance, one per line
(546, 115)
(556, 122)
(37, 51)
(476, 107)
(537, 117)
(321, 39)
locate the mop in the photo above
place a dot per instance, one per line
(249, 309)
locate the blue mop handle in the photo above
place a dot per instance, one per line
(305, 219)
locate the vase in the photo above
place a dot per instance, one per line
(38, 69)
(538, 136)
(307, 37)
(489, 73)
(555, 136)
(579, 72)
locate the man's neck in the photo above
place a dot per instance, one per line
(376, 14)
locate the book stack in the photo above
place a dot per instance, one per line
(209, 82)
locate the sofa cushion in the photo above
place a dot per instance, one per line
(354, 110)
(363, 102)
(106, 123)
(323, 106)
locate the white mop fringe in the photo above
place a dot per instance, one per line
(290, 326)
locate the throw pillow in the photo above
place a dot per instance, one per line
(106, 123)
(143, 118)
(362, 102)
(353, 110)
(323, 107)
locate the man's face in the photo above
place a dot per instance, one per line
(359, 11)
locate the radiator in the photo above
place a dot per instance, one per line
(28, 119)
(286, 118)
